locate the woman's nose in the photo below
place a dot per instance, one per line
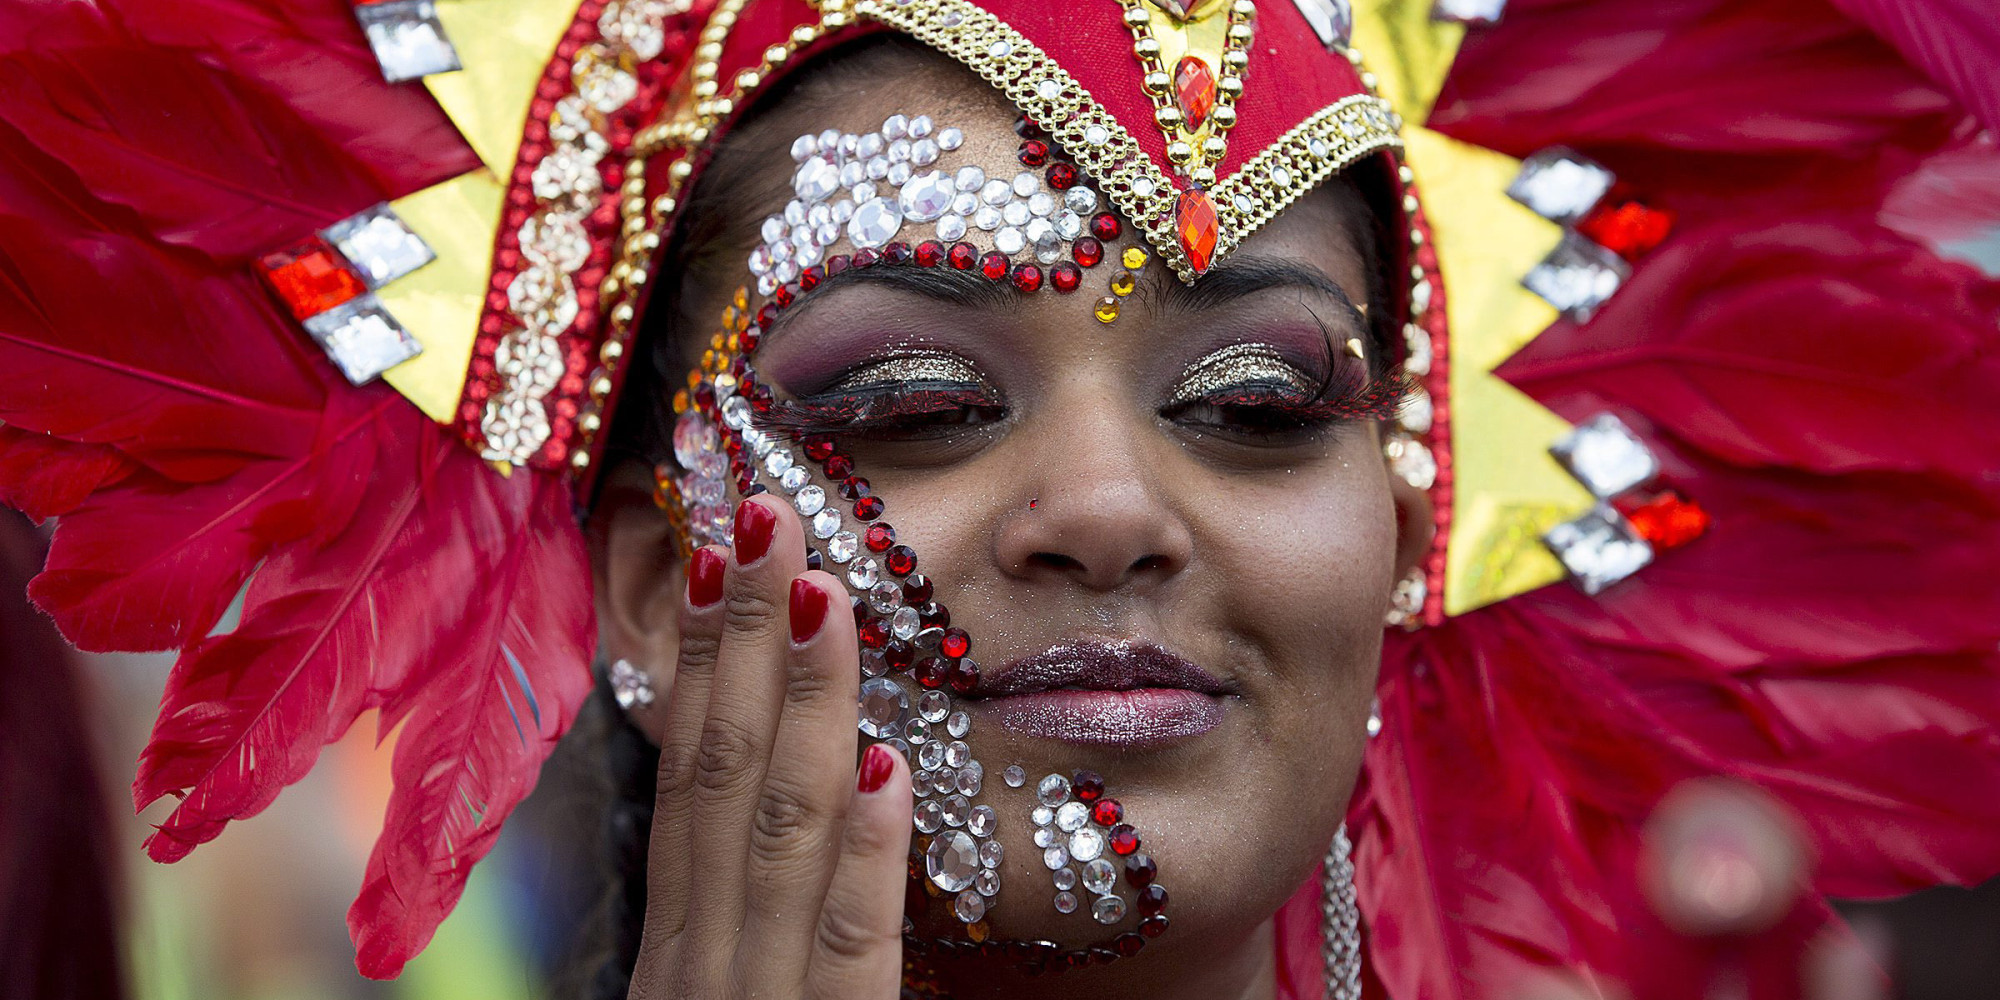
(1094, 507)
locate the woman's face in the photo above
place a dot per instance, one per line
(1182, 595)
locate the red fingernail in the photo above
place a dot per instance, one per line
(808, 611)
(754, 526)
(876, 766)
(704, 578)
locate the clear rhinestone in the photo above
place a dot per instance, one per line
(1560, 184)
(943, 782)
(1072, 816)
(885, 597)
(951, 227)
(1604, 455)
(1042, 815)
(987, 882)
(996, 192)
(999, 49)
(1410, 459)
(841, 547)
(870, 146)
(802, 147)
(863, 574)
(933, 706)
(929, 817)
(872, 663)
(1041, 234)
(1069, 225)
(1048, 90)
(1045, 836)
(736, 414)
(1053, 790)
(1331, 20)
(826, 523)
(1055, 857)
(1599, 548)
(928, 638)
(883, 703)
(917, 730)
(843, 210)
(951, 861)
(950, 139)
(987, 218)
(875, 222)
(816, 180)
(1016, 213)
(960, 723)
(957, 754)
(1469, 11)
(1099, 876)
(1065, 902)
(794, 479)
(809, 500)
(1578, 276)
(1026, 183)
(970, 906)
(931, 755)
(1418, 342)
(905, 623)
(1281, 177)
(408, 39)
(1142, 186)
(991, 854)
(969, 179)
(1108, 909)
(1009, 241)
(1417, 413)
(924, 153)
(899, 174)
(955, 810)
(1096, 135)
(1081, 200)
(965, 203)
(383, 248)
(1086, 845)
(853, 172)
(970, 777)
(362, 338)
(895, 127)
(1244, 206)
(920, 784)
(1014, 776)
(921, 126)
(1065, 878)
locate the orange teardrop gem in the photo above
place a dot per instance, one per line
(1194, 87)
(1195, 224)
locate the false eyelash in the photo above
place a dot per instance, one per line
(836, 412)
(1375, 400)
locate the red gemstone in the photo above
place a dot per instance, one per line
(897, 253)
(868, 508)
(810, 278)
(932, 614)
(955, 643)
(1627, 226)
(1194, 88)
(860, 609)
(864, 257)
(785, 295)
(839, 467)
(917, 589)
(1668, 520)
(963, 256)
(749, 339)
(1062, 176)
(1128, 944)
(1034, 153)
(879, 537)
(899, 654)
(311, 277)
(1152, 899)
(900, 560)
(875, 633)
(931, 672)
(1107, 812)
(1087, 251)
(819, 449)
(1140, 869)
(767, 314)
(1028, 278)
(930, 253)
(1195, 224)
(1106, 227)
(854, 488)
(1153, 926)
(964, 676)
(1088, 785)
(836, 264)
(994, 265)
(1065, 276)
(1124, 839)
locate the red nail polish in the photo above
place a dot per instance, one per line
(808, 611)
(876, 766)
(704, 577)
(755, 524)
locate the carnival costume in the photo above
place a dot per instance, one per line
(1683, 294)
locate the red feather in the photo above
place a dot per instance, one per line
(46, 477)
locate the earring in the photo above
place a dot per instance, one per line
(631, 686)
(1406, 602)
(1340, 916)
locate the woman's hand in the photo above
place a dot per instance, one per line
(775, 870)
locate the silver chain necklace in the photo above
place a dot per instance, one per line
(1340, 916)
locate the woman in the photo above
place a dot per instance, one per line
(1095, 357)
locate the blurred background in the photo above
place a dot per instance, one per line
(260, 913)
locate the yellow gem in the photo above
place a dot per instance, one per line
(1122, 285)
(694, 379)
(734, 343)
(1107, 309)
(715, 342)
(729, 316)
(742, 298)
(710, 361)
(681, 401)
(1134, 258)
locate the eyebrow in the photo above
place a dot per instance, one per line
(1235, 279)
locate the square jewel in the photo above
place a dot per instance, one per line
(408, 39)
(1599, 548)
(379, 244)
(1560, 185)
(1577, 277)
(363, 339)
(1605, 456)
(1468, 11)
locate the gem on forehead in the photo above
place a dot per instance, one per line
(926, 197)
(816, 180)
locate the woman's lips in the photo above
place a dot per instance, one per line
(1140, 717)
(1103, 694)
